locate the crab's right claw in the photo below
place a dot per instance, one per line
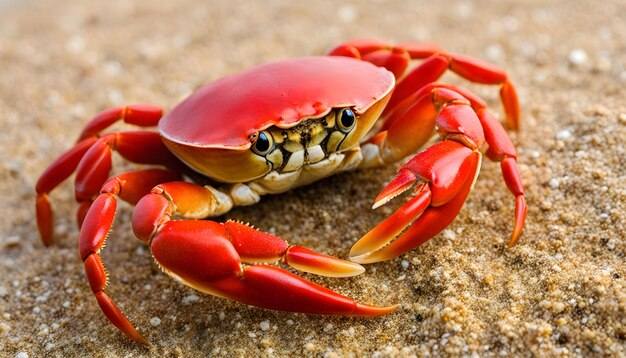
(445, 173)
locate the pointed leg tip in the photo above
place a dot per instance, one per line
(138, 338)
(520, 218)
(47, 237)
(47, 241)
(513, 122)
(143, 342)
(513, 240)
(372, 311)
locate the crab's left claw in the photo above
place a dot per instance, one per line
(446, 172)
(208, 256)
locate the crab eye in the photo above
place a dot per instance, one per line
(263, 144)
(346, 120)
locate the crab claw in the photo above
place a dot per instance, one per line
(446, 171)
(208, 256)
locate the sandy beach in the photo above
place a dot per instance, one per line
(560, 291)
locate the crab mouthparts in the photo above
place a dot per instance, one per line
(309, 142)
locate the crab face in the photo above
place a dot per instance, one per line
(277, 117)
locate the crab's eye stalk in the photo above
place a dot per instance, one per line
(346, 120)
(263, 144)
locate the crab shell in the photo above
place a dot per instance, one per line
(210, 130)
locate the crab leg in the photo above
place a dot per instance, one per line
(446, 170)
(138, 114)
(142, 115)
(56, 173)
(138, 147)
(396, 59)
(98, 221)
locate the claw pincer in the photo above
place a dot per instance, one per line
(203, 255)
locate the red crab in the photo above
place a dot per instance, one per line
(273, 128)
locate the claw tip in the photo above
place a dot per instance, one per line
(366, 258)
(372, 311)
(403, 181)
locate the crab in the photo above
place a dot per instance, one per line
(272, 128)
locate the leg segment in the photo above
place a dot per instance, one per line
(56, 173)
(138, 114)
(446, 170)
(142, 115)
(98, 222)
(396, 59)
(139, 147)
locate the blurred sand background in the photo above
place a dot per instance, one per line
(559, 291)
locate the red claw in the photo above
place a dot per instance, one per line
(182, 249)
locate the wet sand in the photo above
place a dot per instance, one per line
(559, 291)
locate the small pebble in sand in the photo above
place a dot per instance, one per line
(3, 291)
(578, 57)
(563, 134)
(622, 118)
(610, 245)
(155, 321)
(405, 264)
(494, 52)
(190, 299)
(21, 355)
(76, 44)
(290, 322)
(553, 183)
(265, 325)
(449, 234)
(328, 328)
(36, 310)
(347, 13)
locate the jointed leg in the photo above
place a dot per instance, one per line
(98, 221)
(396, 59)
(139, 114)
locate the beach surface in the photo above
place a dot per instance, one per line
(560, 291)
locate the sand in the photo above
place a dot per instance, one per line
(559, 291)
